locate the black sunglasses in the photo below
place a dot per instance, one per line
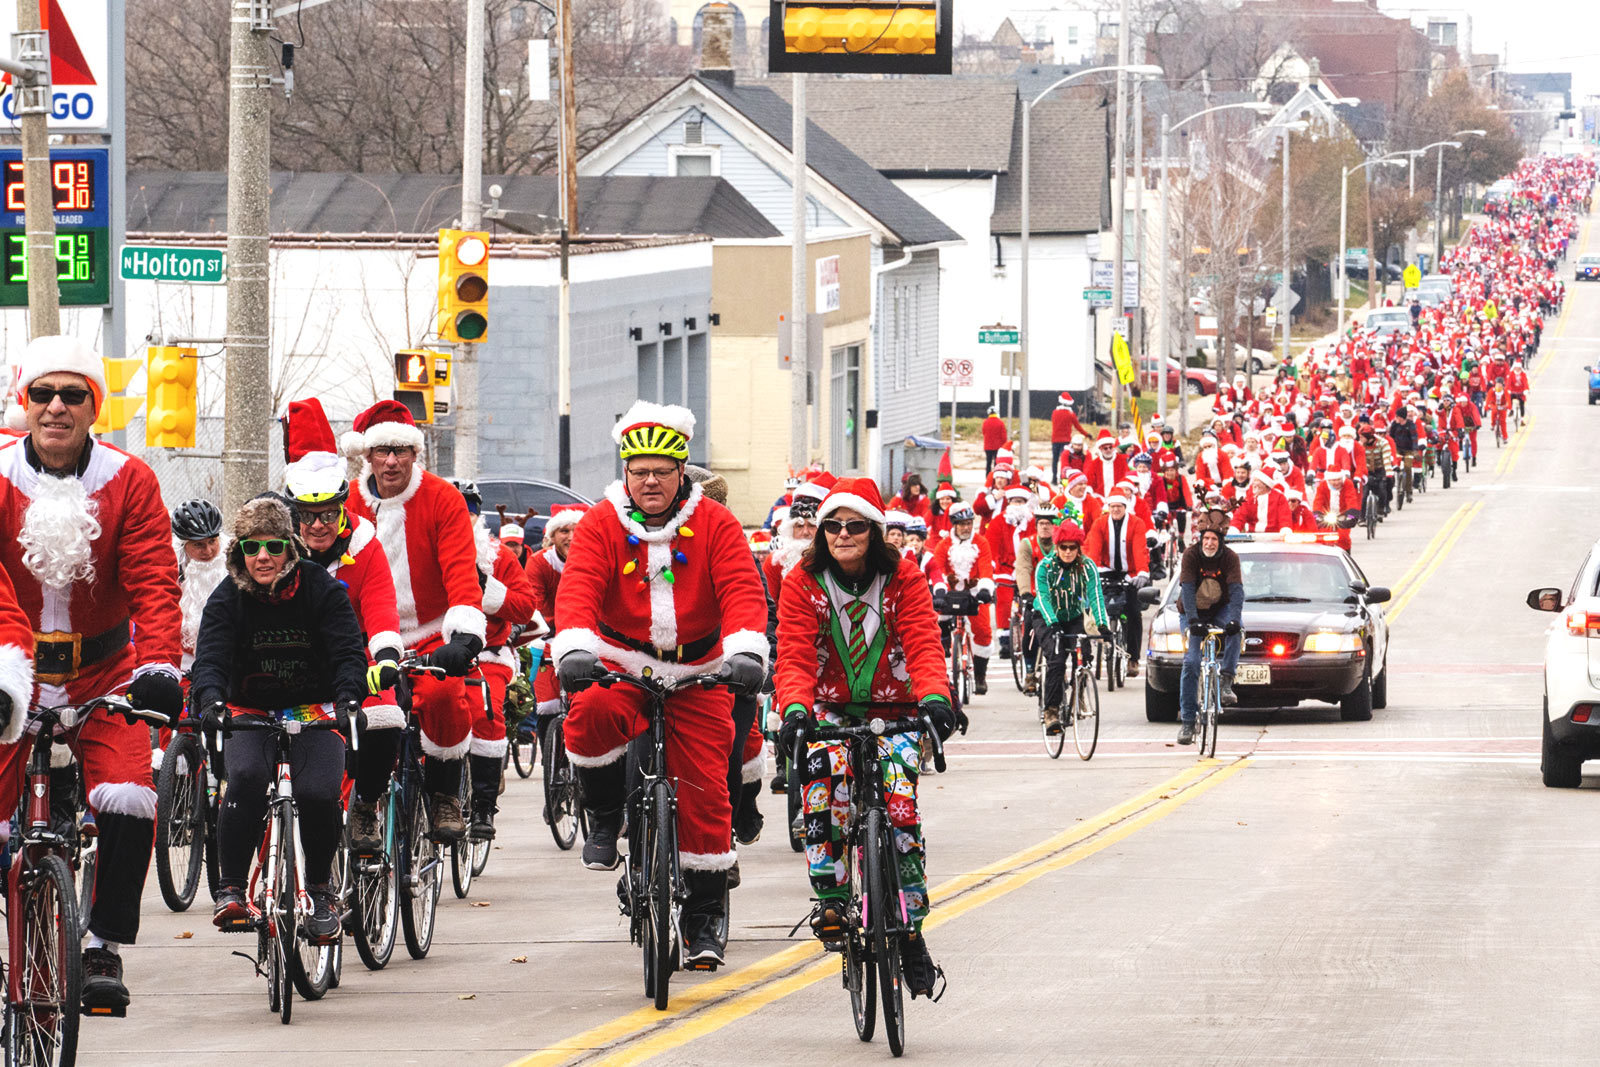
(275, 546)
(855, 527)
(71, 395)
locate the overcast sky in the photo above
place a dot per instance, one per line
(1540, 34)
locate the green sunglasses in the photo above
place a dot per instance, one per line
(275, 546)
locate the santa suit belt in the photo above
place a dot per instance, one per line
(59, 657)
(693, 652)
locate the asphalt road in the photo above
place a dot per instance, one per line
(1401, 890)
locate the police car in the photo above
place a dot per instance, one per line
(1588, 267)
(1313, 630)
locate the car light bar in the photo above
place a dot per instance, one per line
(1288, 537)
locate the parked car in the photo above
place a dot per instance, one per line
(1588, 267)
(533, 497)
(1571, 727)
(1429, 297)
(1594, 383)
(1198, 381)
(1262, 360)
(1312, 631)
(1384, 321)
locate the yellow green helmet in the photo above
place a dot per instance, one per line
(655, 430)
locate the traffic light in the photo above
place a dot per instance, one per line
(170, 378)
(413, 382)
(463, 285)
(861, 36)
(117, 410)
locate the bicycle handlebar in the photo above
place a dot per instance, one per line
(68, 714)
(655, 685)
(882, 728)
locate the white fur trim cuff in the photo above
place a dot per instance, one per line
(753, 770)
(481, 747)
(985, 585)
(438, 751)
(16, 681)
(494, 595)
(158, 668)
(548, 707)
(751, 641)
(385, 717)
(394, 434)
(573, 641)
(596, 761)
(855, 503)
(388, 640)
(988, 651)
(463, 619)
(124, 798)
(707, 861)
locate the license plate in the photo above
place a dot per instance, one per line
(1253, 674)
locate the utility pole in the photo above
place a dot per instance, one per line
(248, 409)
(464, 372)
(33, 100)
(566, 143)
(1287, 304)
(1164, 309)
(1138, 218)
(799, 452)
(1119, 165)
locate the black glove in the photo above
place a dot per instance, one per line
(1198, 628)
(347, 712)
(382, 676)
(795, 726)
(744, 672)
(1230, 628)
(214, 717)
(456, 655)
(941, 715)
(577, 669)
(940, 603)
(985, 596)
(159, 692)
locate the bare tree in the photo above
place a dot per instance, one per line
(1223, 206)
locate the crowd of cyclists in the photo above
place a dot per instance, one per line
(369, 595)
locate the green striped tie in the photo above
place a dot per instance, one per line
(857, 610)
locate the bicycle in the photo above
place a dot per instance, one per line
(186, 818)
(563, 797)
(875, 917)
(277, 899)
(652, 887)
(1020, 628)
(1112, 653)
(1469, 455)
(960, 606)
(470, 855)
(44, 961)
(1210, 693)
(1080, 699)
(402, 880)
(1371, 505)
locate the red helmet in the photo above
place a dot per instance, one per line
(1068, 533)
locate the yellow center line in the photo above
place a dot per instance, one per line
(774, 977)
(1444, 550)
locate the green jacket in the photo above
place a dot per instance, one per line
(1063, 593)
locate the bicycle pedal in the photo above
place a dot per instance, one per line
(706, 966)
(119, 1011)
(238, 926)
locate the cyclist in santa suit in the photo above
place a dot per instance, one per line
(544, 569)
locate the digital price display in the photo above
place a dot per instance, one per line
(79, 196)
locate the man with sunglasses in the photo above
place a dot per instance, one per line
(347, 545)
(426, 534)
(85, 540)
(660, 578)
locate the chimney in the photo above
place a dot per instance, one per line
(716, 43)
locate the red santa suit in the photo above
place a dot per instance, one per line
(544, 569)
(508, 601)
(1264, 508)
(1212, 467)
(1329, 505)
(676, 599)
(1133, 550)
(968, 566)
(1177, 496)
(363, 570)
(427, 538)
(1104, 474)
(1002, 532)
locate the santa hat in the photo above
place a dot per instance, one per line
(1079, 439)
(1018, 492)
(513, 531)
(817, 488)
(1005, 457)
(55, 354)
(760, 541)
(1077, 477)
(946, 491)
(1120, 495)
(1036, 473)
(1263, 477)
(1104, 438)
(1064, 400)
(645, 413)
(564, 515)
(859, 495)
(388, 422)
(1068, 533)
(315, 468)
(1347, 433)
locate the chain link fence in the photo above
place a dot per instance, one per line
(188, 474)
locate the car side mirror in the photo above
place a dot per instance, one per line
(1148, 596)
(1358, 587)
(1545, 600)
(1378, 594)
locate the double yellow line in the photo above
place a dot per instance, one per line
(706, 1008)
(1432, 556)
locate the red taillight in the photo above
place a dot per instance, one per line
(1279, 648)
(1582, 712)
(1582, 623)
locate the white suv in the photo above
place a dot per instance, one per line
(1571, 675)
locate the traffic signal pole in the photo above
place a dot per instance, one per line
(464, 379)
(33, 98)
(565, 144)
(249, 365)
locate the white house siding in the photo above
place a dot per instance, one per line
(1059, 348)
(907, 357)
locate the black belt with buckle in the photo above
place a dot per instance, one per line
(59, 657)
(690, 653)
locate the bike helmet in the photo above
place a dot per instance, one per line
(469, 490)
(196, 520)
(961, 513)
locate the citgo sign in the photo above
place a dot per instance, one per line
(79, 64)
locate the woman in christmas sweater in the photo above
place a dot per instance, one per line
(857, 633)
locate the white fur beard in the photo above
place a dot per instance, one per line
(1017, 514)
(59, 529)
(962, 556)
(788, 554)
(200, 580)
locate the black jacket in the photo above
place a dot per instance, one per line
(300, 647)
(1404, 434)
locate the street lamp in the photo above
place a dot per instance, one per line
(1163, 317)
(1344, 216)
(1438, 192)
(1138, 70)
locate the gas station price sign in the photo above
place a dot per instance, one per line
(80, 197)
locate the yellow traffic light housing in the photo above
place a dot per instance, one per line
(463, 285)
(414, 382)
(861, 36)
(116, 412)
(120, 372)
(417, 401)
(171, 375)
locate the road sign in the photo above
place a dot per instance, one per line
(79, 64)
(1412, 276)
(1098, 296)
(1010, 363)
(1122, 358)
(999, 335)
(151, 263)
(1101, 278)
(955, 373)
(1355, 251)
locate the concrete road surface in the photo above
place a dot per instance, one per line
(1402, 890)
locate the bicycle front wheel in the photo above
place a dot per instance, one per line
(421, 881)
(861, 980)
(1053, 742)
(1211, 714)
(1019, 669)
(180, 821)
(661, 845)
(522, 751)
(1085, 716)
(884, 942)
(374, 901)
(461, 869)
(281, 910)
(43, 1025)
(310, 964)
(560, 788)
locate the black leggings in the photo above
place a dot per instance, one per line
(316, 761)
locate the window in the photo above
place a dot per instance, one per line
(694, 161)
(694, 132)
(845, 409)
(1072, 35)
